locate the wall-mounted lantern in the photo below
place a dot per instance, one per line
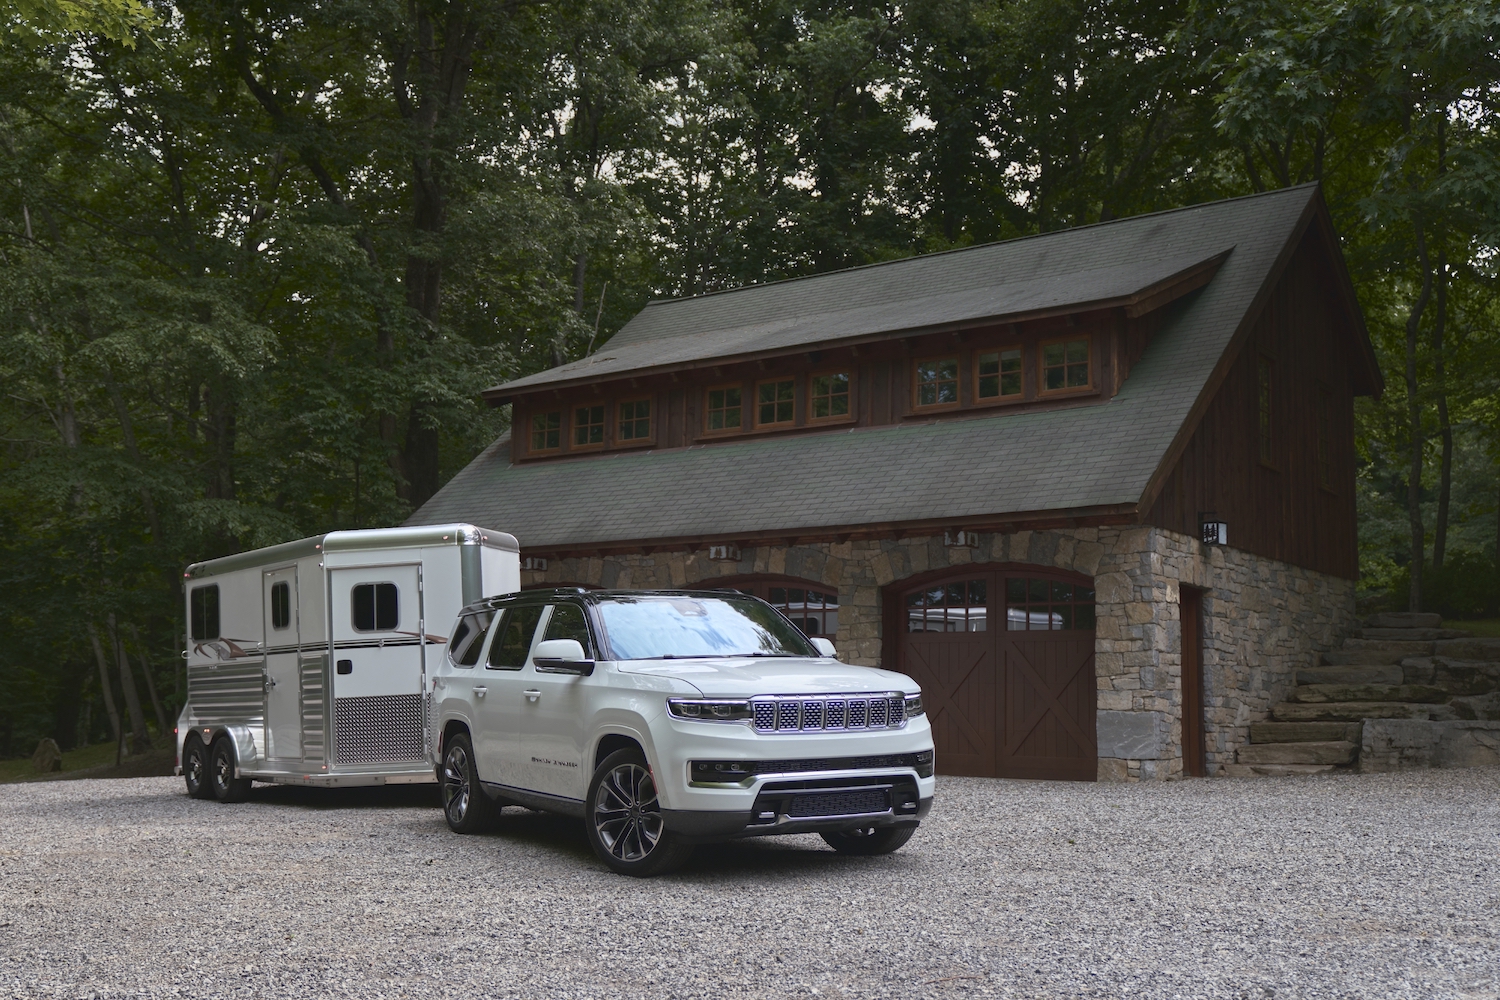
(961, 539)
(1211, 530)
(724, 553)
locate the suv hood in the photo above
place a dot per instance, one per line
(747, 676)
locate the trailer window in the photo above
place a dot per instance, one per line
(281, 605)
(468, 639)
(375, 607)
(513, 642)
(204, 610)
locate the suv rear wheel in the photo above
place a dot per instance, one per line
(624, 820)
(466, 807)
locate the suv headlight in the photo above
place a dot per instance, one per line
(709, 709)
(914, 706)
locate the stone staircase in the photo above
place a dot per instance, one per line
(1404, 692)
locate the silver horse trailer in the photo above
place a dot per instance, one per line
(307, 662)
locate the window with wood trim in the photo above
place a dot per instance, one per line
(546, 431)
(724, 409)
(936, 382)
(828, 396)
(635, 421)
(1065, 365)
(958, 606)
(997, 374)
(776, 403)
(588, 426)
(1263, 425)
(1325, 437)
(1046, 605)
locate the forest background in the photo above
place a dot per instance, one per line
(258, 259)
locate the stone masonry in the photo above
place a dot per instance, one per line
(1263, 619)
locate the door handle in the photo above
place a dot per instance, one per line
(479, 690)
(270, 682)
(532, 694)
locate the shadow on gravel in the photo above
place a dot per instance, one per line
(324, 799)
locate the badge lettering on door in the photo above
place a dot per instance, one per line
(554, 763)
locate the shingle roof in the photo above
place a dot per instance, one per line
(1090, 456)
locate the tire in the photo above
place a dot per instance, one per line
(225, 786)
(624, 822)
(466, 807)
(870, 841)
(195, 768)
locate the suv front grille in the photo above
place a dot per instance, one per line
(800, 714)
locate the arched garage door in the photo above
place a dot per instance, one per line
(1005, 657)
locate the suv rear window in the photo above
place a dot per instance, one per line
(513, 642)
(659, 627)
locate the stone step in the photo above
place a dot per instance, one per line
(1272, 770)
(1387, 673)
(1357, 711)
(1405, 619)
(1320, 693)
(1469, 649)
(1482, 707)
(1413, 634)
(1332, 752)
(1405, 647)
(1460, 677)
(1305, 732)
(1366, 657)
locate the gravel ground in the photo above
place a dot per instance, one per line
(1329, 886)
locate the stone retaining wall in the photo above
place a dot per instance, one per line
(1264, 619)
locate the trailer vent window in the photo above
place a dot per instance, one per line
(204, 603)
(375, 607)
(281, 605)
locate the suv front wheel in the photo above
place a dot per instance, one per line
(624, 820)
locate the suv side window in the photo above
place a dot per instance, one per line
(513, 641)
(468, 639)
(567, 622)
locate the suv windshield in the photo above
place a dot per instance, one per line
(656, 627)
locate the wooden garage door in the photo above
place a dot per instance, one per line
(1005, 658)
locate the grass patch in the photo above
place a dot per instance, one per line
(98, 759)
(1486, 627)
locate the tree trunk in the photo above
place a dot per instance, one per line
(1445, 428)
(140, 738)
(1414, 427)
(104, 686)
(161, 716)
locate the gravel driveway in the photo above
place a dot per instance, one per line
(1330, 886)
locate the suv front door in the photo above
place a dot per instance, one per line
(552, 735)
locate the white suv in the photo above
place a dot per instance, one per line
(669, 718)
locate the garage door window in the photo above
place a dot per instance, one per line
(1047, 605)
(960, 606)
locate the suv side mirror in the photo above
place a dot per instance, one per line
(562, 656)
(823, 646)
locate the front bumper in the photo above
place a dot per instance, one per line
(707, 826)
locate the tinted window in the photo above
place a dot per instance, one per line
(468, 638)
(281, 605)
(661, 627)
(513, 642)
(375, 607)
(204, 610)
(567, 622)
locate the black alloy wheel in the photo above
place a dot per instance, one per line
(195, 768)
(870, 840)
(624, 822)
(226, 787)
(466, 807)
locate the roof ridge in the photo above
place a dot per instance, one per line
(977, 246)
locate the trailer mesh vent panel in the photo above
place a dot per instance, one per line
(378, 729)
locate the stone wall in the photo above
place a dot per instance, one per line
(1263, 619)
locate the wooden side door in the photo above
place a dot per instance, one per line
(946, 647)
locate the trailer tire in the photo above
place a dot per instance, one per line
(195, 768)
(226, 787)
(466, 805)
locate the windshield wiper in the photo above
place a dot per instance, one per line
(682, 656)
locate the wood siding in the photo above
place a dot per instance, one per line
(1279, 509)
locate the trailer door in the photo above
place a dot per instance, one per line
(377, 679)
(283, 681)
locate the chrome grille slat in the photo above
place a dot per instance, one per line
(821, 713)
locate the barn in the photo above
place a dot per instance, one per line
(1093, 489)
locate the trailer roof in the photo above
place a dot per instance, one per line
(415, 536)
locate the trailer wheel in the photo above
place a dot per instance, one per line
(466, 807)
(195, 768)
(226, 787)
